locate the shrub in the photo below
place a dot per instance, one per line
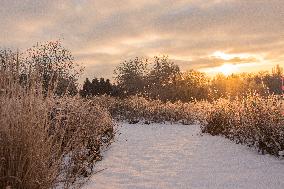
(46, 140)
(135, 109)
(254, 120)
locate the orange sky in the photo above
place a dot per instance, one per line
(201, 34)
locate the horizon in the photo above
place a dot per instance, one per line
(226, 70)
(225, 36)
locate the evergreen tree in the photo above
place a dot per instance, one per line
(87, 88)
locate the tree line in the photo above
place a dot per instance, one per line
(157, 78)
(162, 79)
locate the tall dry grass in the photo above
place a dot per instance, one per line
(135, 109)
(254, 120)
(46, 141)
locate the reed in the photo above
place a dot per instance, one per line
(46, 141)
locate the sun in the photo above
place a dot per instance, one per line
(227, 69)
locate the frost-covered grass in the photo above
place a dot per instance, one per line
(255, 121)
(135, 109)
(46, 140)
(37, 133)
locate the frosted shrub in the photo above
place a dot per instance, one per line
(254, 120)
(38, 134)
(135, 109)
(45, 140)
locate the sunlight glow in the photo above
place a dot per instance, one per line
(223, 55)
(233, 63)
(227, 69)
(226, 56)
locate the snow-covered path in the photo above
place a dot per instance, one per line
(176, 157)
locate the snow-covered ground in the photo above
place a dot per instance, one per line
(175, 157)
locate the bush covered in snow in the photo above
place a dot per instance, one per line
(135, 109)
(45, 140)
(255, 121)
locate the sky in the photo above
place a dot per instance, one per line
(208, 35)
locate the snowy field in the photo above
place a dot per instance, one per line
(176, 157)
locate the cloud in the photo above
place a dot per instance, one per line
(211, 62)
(101, 33)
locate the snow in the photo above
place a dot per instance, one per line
(168, 156)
